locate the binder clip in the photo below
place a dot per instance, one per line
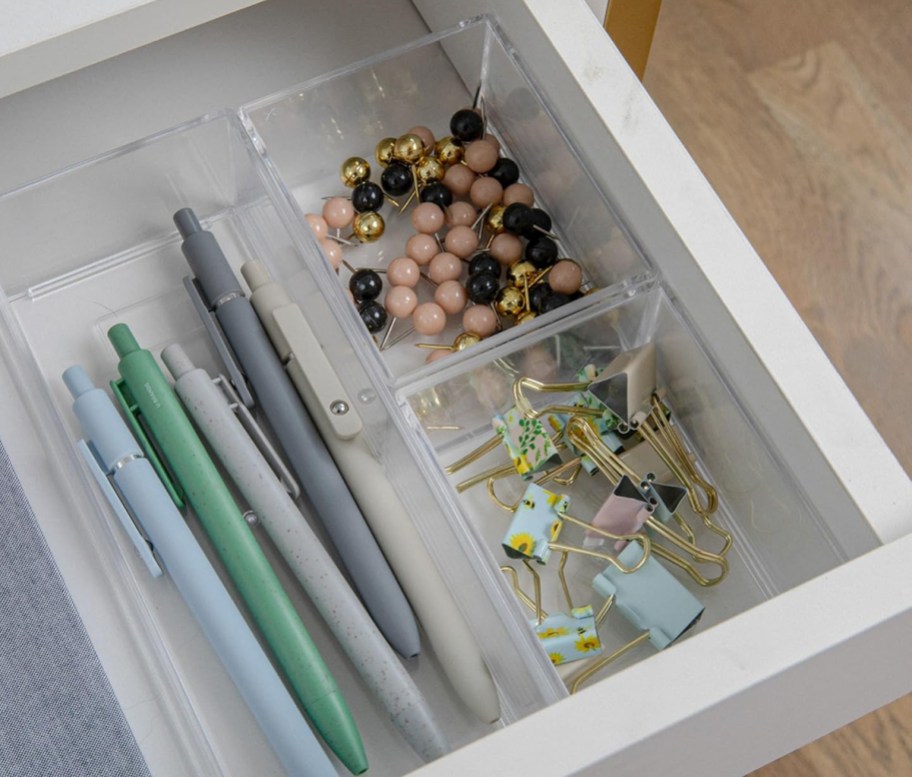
(623, 400)
(606, 422)
(650, 599)
(527, 443)
(536, 527)
(565, 636)
(658, 506)
(533, 535)
(627, 387)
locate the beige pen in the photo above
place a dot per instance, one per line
(320, 388)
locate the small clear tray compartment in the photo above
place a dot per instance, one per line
(780, 539)
(309, 130)
(102, 249)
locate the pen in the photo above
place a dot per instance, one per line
(113, 455)
(214, 414)
(319, 388)
(220, 291)
(145, 394)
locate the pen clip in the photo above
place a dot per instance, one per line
(323, 383)
(258, 436)
(131, 408)
(120, 510)
(218, 340)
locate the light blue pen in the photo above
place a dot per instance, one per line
(130, 484)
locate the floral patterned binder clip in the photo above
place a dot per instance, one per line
(529, 446)
(533, 535)
(565, 636)
(535, 529)
(651, 599)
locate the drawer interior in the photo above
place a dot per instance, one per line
(110, 254)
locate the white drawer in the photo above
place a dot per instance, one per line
(727, 699)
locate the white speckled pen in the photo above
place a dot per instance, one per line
(319, 577)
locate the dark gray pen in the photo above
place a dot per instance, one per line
(297, 435)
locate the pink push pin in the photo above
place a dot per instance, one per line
(451, 296)
(445, 267)
(338, 212)
(428, 218)
(480, 320)
(317, 224)
(506, 248)
(485, 192)
(461, 241)
(422, 248)
(460, 214)
(518, 192)
(404, 271)
(459, 179)
(400, 302)
(429, 319)
(481, 156)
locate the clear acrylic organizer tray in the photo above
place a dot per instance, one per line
(101, 248)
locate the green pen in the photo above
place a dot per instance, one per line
(144, 391)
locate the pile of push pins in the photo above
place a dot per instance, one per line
(480, 249)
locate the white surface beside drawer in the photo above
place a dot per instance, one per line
(44, 39)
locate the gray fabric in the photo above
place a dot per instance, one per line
(58, 713)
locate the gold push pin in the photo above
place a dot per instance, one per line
(354, 170)
(449, 151)
(384, 151)
(368, 226)
(408, 148)
(428, 170)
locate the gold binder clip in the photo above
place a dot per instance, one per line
(629, 486)
(667, 443)
(622, 399)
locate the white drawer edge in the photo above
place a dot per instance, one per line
(49, 45)
(779, 337)
(735, 697)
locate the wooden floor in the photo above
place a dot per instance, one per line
(799, 114)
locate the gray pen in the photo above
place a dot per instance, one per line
(220, 291)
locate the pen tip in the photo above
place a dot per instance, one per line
(77, 381)
(187, 222)
(122, 339)
(176, 360)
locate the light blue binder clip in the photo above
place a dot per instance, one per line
(651, 599)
